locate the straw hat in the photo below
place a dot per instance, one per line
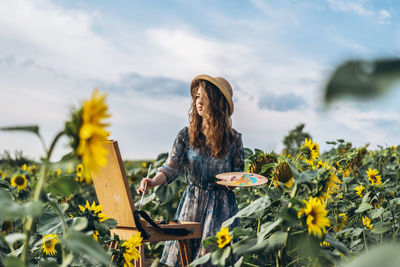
(222, 84)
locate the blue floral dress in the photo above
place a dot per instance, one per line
(203, 199)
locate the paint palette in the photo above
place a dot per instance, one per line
(241, 179)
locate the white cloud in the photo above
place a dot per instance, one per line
(384, 17)
(356, 7)
(351, 44)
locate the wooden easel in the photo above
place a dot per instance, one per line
(114, 195)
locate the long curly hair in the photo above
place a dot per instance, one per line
(213, 130)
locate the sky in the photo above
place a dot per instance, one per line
(277, 55)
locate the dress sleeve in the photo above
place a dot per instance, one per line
(238, 155)
(173, 166)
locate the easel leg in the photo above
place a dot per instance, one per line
(140, 262)
(187, 250)
(182, 253)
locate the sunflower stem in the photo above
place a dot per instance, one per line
(36, 195)
(365, 240)
(64, 227)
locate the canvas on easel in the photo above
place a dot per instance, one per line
(114, 195)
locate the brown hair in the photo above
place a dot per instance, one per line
(214, 129)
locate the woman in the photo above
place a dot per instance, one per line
(207, 147)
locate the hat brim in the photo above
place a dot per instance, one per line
(220, 86)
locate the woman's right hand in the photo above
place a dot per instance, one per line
(150, 184)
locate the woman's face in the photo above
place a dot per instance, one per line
(199, 101)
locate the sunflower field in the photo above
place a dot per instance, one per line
(336, 208)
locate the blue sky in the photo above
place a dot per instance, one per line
(277, 55)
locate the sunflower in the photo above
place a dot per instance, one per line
(79, 177)
(32, 169)
(309, 151)
(92, 133)
(131, 252)
(79, 168)
(341, 222)
(367, 222)
(2, 175)
(19, 181)
(257, 165)
(316, 219)
(282, 172)
(95, 235)
(374, 177)
(324, 244)
(24, 167)
(320, 164)
(359, 190)
(331, 187)
(49, 244)
(95, 209)
(224, 238)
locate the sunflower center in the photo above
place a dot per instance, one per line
(48, 243)
(313, 216)
(373, 177)
(223, 238)
(19, 180)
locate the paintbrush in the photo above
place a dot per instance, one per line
(145, 186)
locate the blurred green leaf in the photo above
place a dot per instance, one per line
(220, 256)
(11, 210)
(62, 186)
(201, 260)
(79, 223)
(28, 128)
(12, 261)
(80, 243)
(387, 256)
(362, 79)
(266, 228)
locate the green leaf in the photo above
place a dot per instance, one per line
(363, 207)
(337, 244)
(386, 255)
(29, 128)
(266, 246)
(265, 167)
(307, 176)
(80, 243)
(63, 186)
(12, 261)
(274, 193)
(200, 260)
(10, 210)
(357, 231)
(239, 262)
(380, 228)
(362, 79)
(50, 223)
(210, 241)
(79, 223)
(377, 213)
(266, 228)
(259, 205)
(220, 256)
